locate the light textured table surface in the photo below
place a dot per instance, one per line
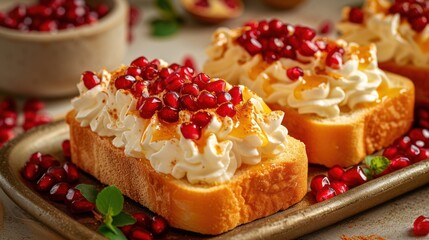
(391, 220)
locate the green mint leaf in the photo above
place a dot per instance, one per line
(88, 191)
(162, 28)
(123, 219)
(377, 163)
(110, 201)
(166, 9)
(112, 234)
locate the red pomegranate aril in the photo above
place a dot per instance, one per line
(236, 95)
(149, 107)
(36, 157)
(174, 83)
(31, 171)
(339, 187)
(72, 172)
(8, 104)
(270, 56)
(150, 72)
(74, 13)
(190, 131)
(263, 27)
(133, 71)
(165, 72)
(190, 88)
(73, 194)
(423, 155)
(59, 191)
(186, 72)
(399, 163)
(421, 226)
(334, 60)
(45, 182)
(390, 152)
(81, 206)
(308, 49)
(294, 73)
(188, 102)
(356, 15)
(90, 80)
(354, 176)
(6, 135)
(48, 26)
(215, 86)
(201, 118)
(140, 234)
(418, 24)
(275, 26)
(335, 172)
(201, 80)
(206, 100)
(140, 62)
(156, 87)
(9, 119)
(137, 88)
(159, 225)
(275, 44)
(124, 82)
(304, 33)
(42, 119)
(168, 114)
(419, 134)
(403, 142)
(412, 152)
(155, 62)
(223, 97)
(102, 10)
(18, 12)
(171, 99)
(33, 105)
(48, 161)
(231, 3)
(142, 219)
(174, 66)
(325, 193)
(253, 46)
(226, 109)
(58, 173)
(318, 182)
(126, 229)
(189, 61)
(325, 27)
(65, 146)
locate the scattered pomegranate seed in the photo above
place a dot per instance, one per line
(90, 80)
(149, 107)
(48, 161)
(81, 206)
(72, 195)
(124, 82)
(168, 114)
(189, 61)
(142, 219)
(59, 191)
(201, 118)
(216, 86)
(356, 15)
(206, 100)
(188, 102)
(58, 173)
(339, 187)
(159, 225)
(31, 171)
(126, 229)
(236, 95)
(140, 62)
(223, 97)
(318, 182)
(325, 193)
(201, 80)
(354, 176)
(45, 182)
(72, 172)
(294, 73)
(335, 172)
(171, 99)
(141, 234)
(226, 109)
(65, 146)
(190, 88)
(421, 226)
(190, 131)
(326, 27)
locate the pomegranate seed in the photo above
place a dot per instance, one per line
(188, 102)
(126, 229)
(201, 118)
(421, 226)
(59, 191)
(8, 104)
(90, 80)
(58, 173)
(275, 44)
(102, 10)
(9, 119)
(263, 27)
(308, 49)
(168, 114)
(326, 27)
(150, 72)
(339, 187)
(236, 95)
(156, 87)
(270, 56)
(318, 182)
(188, 61)
(403, 142)
(412, 152)
(72, 172)
(294, 73)
(34, 105)
(288, 52)
(190, 131)
(252, 46)
(190, 88)
(155, 62)
(174, 82)
(133, 71)
(399, 163)
(6, 135)
(174, 66)
(215, 86)
(423, 155)
(48, 161)
(335, 172)
(251, 24)
(142, 219)
(186, 72)
(201, 80)
(141, 234)
(226, 109)
(390, 152)
(171, 99)
(18, 12)
(65, 146)
(418, 24)
(124, 82)
(72, 195)
(159, 225)
(31, 171)
(45, 182)
(275, 26)
(223, 97)
(304, 33)
(137, 88)
(81, 206)
(48, 26)
(149, 107)
(354, 176)
(36, 157)
(165, 72)
(140, 62)
(356, 15)
(334, 60)
(206, 100)
(231, 3)
(325, 193)
(419, 134)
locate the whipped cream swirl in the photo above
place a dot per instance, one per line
(225, 145)
(395, 39)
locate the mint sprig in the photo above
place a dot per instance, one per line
(169, 21)
(109, 203)
(376, 164)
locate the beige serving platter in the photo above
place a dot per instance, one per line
(304, 217)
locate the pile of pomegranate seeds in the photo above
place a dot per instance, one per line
(166, 91)
(421, 226)
(52, 15)
(411, 148)
(413, 11)
(146, 227)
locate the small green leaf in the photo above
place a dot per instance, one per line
(112, 234)
(88, 191)
(161, 27)
(110, 201)
(166, 8)
(377, 163)
(123, 219)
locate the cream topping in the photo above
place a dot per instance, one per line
(227, 143)
(324, 94)
(395, 39)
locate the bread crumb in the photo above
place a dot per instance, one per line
(369, 237)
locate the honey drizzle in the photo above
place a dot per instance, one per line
(307, 83)
(364, 55)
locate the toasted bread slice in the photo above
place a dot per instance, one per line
(254, 192)
(346, 139)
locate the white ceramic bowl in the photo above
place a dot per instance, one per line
(48, 65)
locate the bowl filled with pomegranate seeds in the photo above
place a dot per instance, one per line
(46, 43)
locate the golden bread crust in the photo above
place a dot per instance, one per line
(419, 75)
(347, 139)
(254, 192)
